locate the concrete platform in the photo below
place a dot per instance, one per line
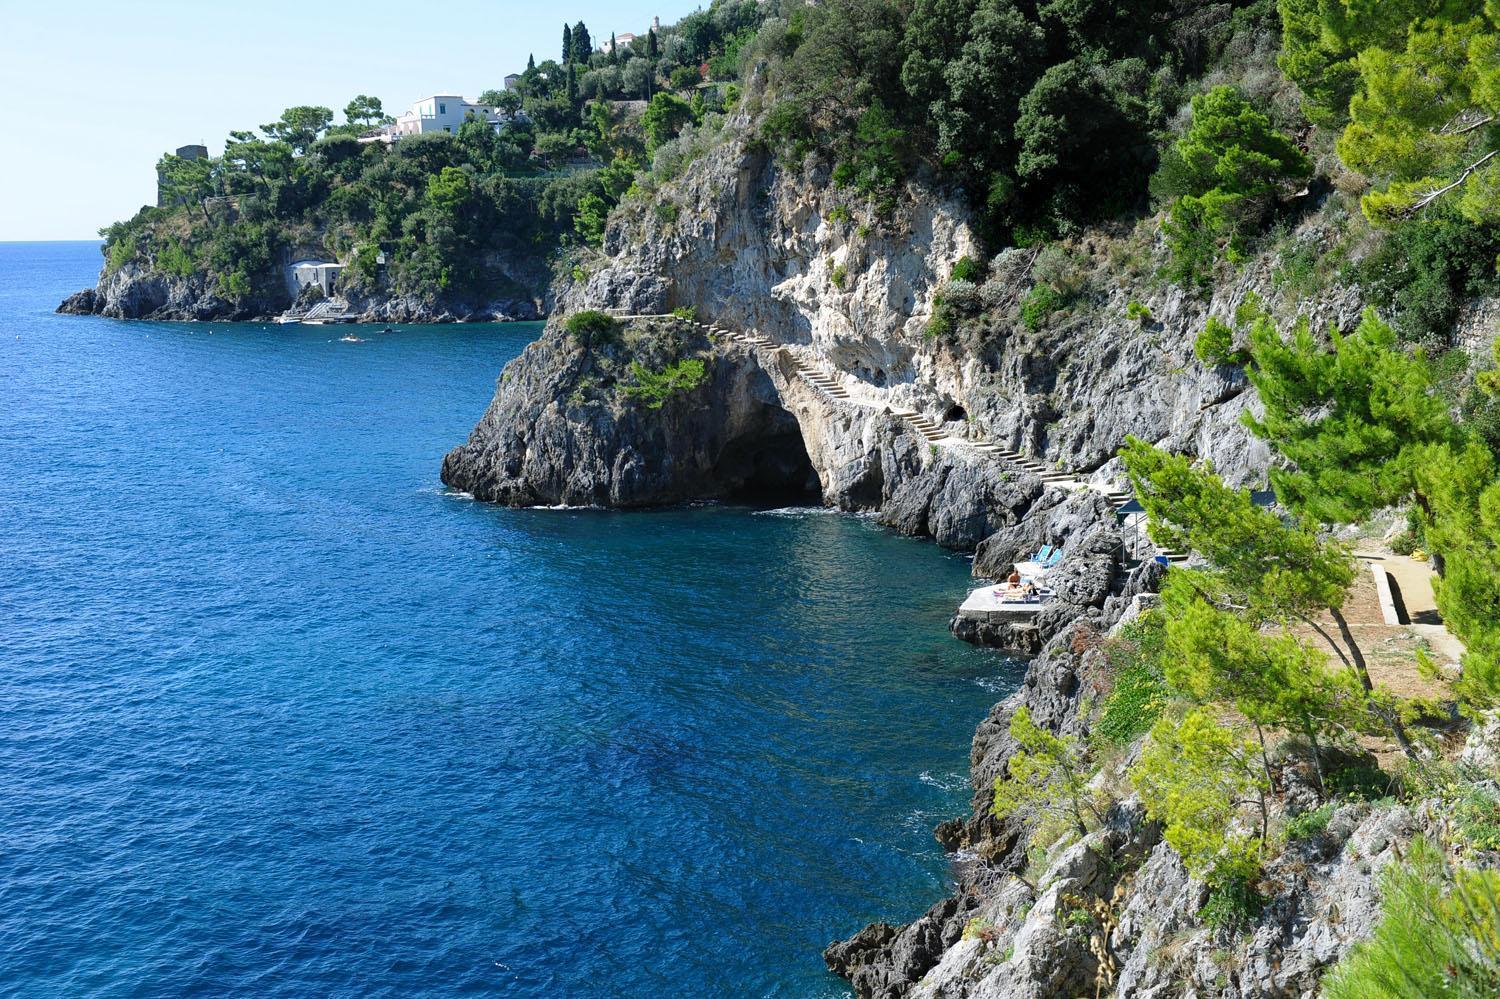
(985, 604)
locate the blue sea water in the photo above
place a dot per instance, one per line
(280, 716)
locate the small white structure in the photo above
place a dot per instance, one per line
(441, 113)
(623, 40)
(445, 113)
(512, 81)
(318, 272)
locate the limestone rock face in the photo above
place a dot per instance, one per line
(136, 291)
(547, 439)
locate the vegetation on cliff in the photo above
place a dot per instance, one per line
(439, 217)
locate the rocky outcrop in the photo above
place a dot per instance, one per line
(568, 426)
(563, 429)
(137, 290)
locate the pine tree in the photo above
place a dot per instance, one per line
(531, 63)
(1461, 487)
(567, 46)
(1345, 418)
(1045, 772)
(1261, 566)
(1194, 776)
(1421, 121)
(1274, 680)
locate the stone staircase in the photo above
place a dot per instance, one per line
(924, 426)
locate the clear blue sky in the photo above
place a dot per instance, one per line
(97, 91)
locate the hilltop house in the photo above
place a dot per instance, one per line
(438, 113)
(512, 81)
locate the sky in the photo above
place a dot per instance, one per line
(99, 90)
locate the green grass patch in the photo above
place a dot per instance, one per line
(1140, 690)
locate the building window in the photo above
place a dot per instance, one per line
(447, 129)
(442, 109)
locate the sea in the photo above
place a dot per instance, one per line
(280, 715)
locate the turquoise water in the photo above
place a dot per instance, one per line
(279, 716)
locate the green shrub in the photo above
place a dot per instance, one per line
(1232, 905)
(787, 129)
(1476, 817)
(684, 77)
(174, 258)
(1439, 935)
(876, 159)
(1423, 270)
(666, 212)
(1215, 344)
(590, 326)
(236, 284)
(1297, 268)
(839, 276)
(1366, 782)
(1039, 305)
(120, 252)
(654, 388)
(1310, 824)
(941, 323)
(1138, 312)
(966, 268)
(838, 214)
(685, 313)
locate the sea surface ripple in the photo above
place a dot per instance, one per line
(280, 716)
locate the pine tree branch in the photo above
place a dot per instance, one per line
(1431, 196)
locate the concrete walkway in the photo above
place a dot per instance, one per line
(1416, 605)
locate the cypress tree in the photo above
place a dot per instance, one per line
(651, 43)
(567, 56)
(583, 45)
(614, 50)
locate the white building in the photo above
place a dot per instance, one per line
(439, 113)
(321, 273)
(622, 40)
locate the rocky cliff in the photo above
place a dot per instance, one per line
(860, 337)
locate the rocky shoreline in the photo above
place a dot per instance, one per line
(750, 246)
(137, 291)
(564, 429)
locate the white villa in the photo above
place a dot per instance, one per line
(438, 113)
(322, 273)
